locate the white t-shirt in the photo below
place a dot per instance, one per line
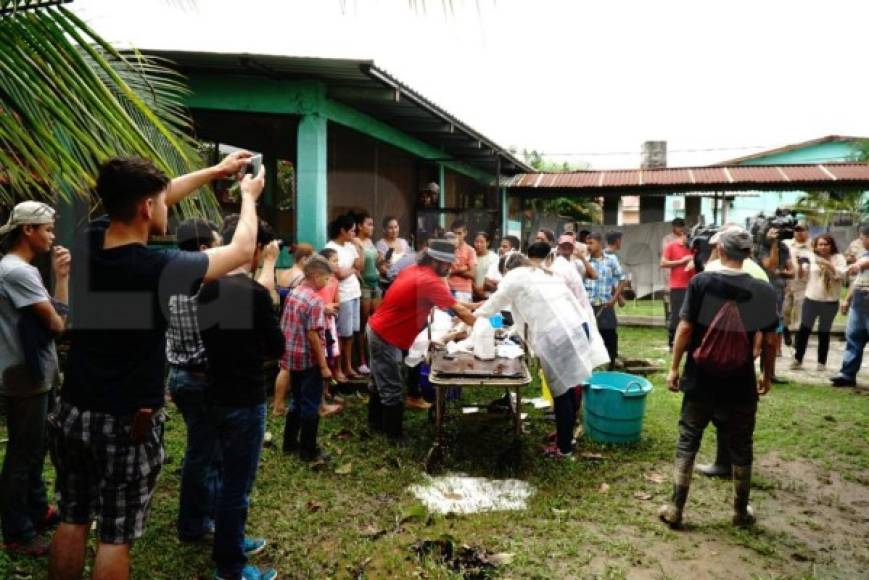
(348, 288)
(816, 289)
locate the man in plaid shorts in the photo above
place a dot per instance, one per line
(106, 437)
(304, 326)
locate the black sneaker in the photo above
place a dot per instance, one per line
(840, 381)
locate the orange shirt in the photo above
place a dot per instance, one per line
(465, 256)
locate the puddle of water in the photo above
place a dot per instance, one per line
(539, 403)
(459, 494)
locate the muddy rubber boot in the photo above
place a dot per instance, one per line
(671, 514)
(721, 467)
(743, 514)
(375, 411)
(291, 431)
(393, 417)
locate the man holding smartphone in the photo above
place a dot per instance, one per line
(800, 249)
(106, 437)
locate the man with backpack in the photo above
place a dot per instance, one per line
(722, 313)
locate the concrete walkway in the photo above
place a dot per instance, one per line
(809, 374)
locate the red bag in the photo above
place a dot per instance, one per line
(725, 347)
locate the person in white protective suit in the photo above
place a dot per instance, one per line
(559, 332)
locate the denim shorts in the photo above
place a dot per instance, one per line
(348, 318)
(372, 293)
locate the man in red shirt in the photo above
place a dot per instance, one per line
(396, 323)
(679, 259)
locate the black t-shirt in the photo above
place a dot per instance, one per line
(707, 293)
(119, 302)
(784, 256)
(240, 332)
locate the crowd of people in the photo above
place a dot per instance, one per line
(199, 325)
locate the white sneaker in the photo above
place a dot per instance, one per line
(796, 365)
(821, 367)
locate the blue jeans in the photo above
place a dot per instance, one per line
(240, 433)
(856, 335)
(307, 388)
(22, 489)
(201, 472)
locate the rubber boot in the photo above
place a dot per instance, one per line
(671, 514)
(721, 467)
(393, 417)
(308, 449)
(743, 514)
(375, 410)
(291, 431)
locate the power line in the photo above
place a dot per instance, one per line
(699, 150)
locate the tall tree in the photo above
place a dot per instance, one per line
(581, 209)
(825, 208)
(69, 100)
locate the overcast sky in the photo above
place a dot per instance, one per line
(582, 77)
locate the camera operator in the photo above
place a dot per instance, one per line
(775, 259)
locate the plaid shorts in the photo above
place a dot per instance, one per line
(103, 475)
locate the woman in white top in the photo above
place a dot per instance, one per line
(342, 239)
(826, 269)
(390, 245)
(485, 258)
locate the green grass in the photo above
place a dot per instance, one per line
(655, 307)
(319, 523)
(642, 308)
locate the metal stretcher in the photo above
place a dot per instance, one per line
(465, 370)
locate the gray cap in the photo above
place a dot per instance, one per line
(442, 251)
(735, 239)
(28, 213)
(432, 187)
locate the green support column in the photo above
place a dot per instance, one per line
(442, 196)
(504, 210)
(311, 192)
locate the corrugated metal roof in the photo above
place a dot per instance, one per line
(792, 147)
(824, 176)
(367, 88)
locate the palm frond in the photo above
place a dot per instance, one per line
(69, 100)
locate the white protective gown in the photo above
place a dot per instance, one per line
(554, 317)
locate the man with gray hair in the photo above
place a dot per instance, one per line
(856, 306)
(721, 314)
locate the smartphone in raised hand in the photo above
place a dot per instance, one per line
(254, 164)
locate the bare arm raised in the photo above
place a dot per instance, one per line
(182, 186)
(240, 250)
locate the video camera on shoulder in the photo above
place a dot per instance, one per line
(698, 242)
(783, 220)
